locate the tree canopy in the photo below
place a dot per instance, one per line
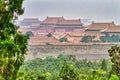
(13, 44)
(63, 39)
(114, 53)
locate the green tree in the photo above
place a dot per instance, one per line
(86, 39)
(70, 58)
(29, 33)
(63, 39)
(98, 75)
(13, 45)
(68, 72)
(114, 77)
(104, 65)
(114, 53)
(49, 35)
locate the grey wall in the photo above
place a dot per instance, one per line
(91, 52)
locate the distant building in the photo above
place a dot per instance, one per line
(42, 40)
(73, 30)
(112, 30)
(51, 20)
(68, 25)
(59, 24)
(30, 22)
(100, 29)
(97, 28)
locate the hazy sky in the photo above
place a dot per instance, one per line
(96, 10)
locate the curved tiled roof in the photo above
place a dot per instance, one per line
(52, 20)
(60, 20)
(76, 33)
(99, 26)
(113, 29)
(70, 22)
(43, 39)
(31, 20)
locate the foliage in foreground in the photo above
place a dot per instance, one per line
(65, 68)
(114, 53)
(13, 45)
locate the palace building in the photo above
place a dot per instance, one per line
(101, 28)
(112, 30)
(30, 22)
(72, 29)
(59, 24)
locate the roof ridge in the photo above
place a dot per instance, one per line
(54, 17)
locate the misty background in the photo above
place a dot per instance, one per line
(96, 10)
